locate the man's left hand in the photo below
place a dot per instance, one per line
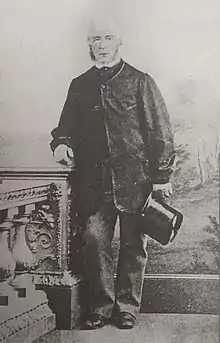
(163, 190)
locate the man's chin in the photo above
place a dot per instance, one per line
(103, 61)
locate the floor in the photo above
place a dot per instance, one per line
(152, 328)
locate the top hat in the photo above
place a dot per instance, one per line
(159, 220)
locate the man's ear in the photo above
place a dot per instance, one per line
(120, 43)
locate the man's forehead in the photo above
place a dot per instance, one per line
(103, 28)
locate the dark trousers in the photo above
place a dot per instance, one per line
(104, 296)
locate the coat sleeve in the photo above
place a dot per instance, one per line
(63, 133)
(157, 132)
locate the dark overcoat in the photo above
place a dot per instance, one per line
(137, 129)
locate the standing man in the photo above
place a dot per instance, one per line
(115, 129)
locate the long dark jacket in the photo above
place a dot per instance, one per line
(125, 122)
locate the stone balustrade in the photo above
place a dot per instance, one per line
(35, 253)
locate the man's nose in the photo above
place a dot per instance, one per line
(103, 44)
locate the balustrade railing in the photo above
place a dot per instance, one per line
(35, 240)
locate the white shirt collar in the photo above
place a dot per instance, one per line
(109, 65)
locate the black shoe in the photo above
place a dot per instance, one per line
(93, 321)
(124, 320)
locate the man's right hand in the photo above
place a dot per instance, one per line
(64, 155)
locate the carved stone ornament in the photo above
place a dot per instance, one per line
(64, 279)
(42, 237)
(59, 200)
(48, 230)
(24, 194)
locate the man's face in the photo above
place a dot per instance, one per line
(104, 46)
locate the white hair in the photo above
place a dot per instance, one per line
(101, 23)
